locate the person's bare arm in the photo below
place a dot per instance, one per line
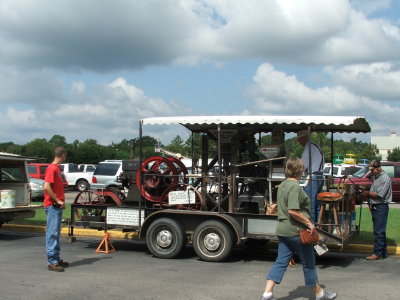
(298, 216)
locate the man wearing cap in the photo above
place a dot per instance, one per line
(316, 177)
(379, 195)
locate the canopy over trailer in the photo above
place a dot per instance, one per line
(266, 123)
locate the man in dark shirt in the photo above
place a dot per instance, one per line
(380, 195)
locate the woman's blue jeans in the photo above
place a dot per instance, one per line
(53, 229)
(286, 248)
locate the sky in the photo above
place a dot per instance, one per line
(91, 69)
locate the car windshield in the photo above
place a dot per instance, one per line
(360, 173)
(107, 169)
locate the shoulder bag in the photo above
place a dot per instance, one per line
(307, 238)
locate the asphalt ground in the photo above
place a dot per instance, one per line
(133, 273)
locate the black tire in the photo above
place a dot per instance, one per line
(212, 241)
(165, 238)
(82, 185)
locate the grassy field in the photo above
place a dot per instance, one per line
(366, 233)
(392, 228)
(40, 217)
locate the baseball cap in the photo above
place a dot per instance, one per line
(374, 164)
(302, 133)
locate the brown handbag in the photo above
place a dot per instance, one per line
(307, 238)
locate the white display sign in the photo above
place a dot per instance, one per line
(124, 216)
(181, 197)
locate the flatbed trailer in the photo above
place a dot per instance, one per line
(214, 211)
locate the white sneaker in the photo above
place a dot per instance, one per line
(326, 295)
(272, 298)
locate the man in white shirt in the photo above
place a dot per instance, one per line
(316, 177)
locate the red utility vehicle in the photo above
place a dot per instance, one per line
(362, 179)
(38, 170)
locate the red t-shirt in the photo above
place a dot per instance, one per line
(53, 176)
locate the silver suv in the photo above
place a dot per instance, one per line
(106, 173)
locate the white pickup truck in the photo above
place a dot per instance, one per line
(15, 192)
(79, 180)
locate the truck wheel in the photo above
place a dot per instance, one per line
(212, 241)
(165, 238)
(82, 185)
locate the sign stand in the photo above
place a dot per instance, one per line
(108, 247)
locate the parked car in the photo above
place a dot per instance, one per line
(363, 178)
(86, 168)
(14, 182)
(340, 170)
(38, 170)
(37, 189)
(76, 179)
(350, 159)
(363, 162)
(338, 158)
(106, 174)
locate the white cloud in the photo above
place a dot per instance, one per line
(106, 113)
(33, 87)
(275, 92)
(78, 87)
(105, 36)
(376, 80)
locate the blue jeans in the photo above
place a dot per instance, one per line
(286, 248)
(317, 181)
(53, 230)
(379, 219)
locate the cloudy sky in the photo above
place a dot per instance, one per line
(93, 68)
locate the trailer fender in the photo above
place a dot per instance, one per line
(191, 219)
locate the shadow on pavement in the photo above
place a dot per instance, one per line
(87, 261)
(12, 235)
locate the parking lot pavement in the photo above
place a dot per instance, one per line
(70, 195)
(132, 273)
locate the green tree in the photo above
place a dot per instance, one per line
(58, 140)
(10, 147)
(394, 155)
(177, 145)
(370, 152)
(40, 148)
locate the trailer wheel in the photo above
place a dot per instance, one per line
(82, 185)
(212, 241)
(165, 238)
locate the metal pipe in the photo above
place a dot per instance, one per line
(219, 169)
(310, 163)
(140, 170)
(331, 154)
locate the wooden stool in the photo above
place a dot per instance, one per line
(331, 200)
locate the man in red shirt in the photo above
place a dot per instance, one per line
(54, 203)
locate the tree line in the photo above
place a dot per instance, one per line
(91, 151)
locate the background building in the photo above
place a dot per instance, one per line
(386, 143)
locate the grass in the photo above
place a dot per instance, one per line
(40, 216)
(366, 232)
